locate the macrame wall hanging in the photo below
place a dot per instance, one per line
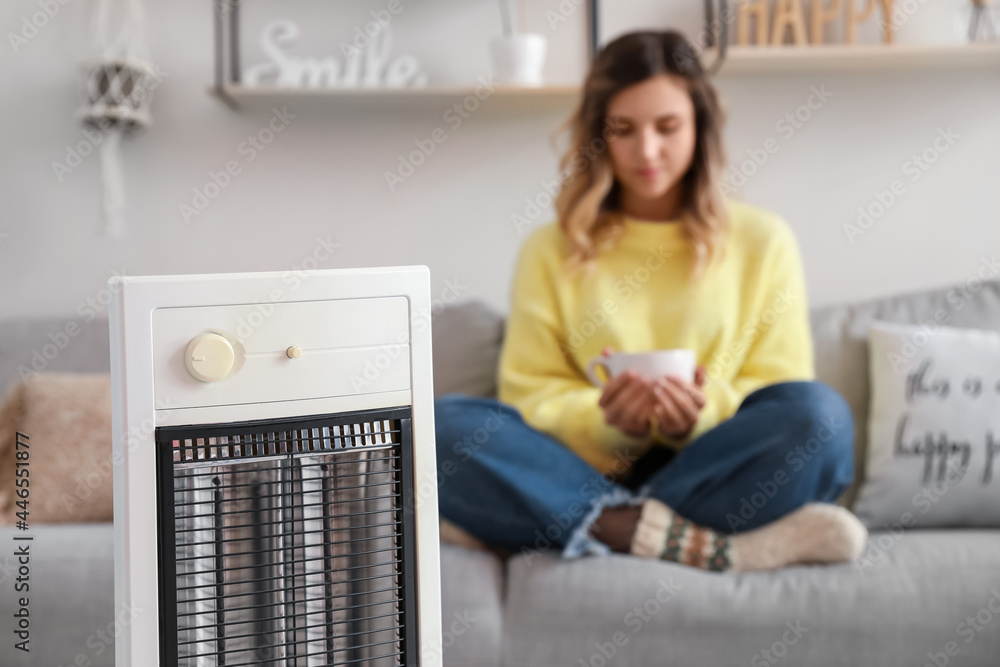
(119, 87)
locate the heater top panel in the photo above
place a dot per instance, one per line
(268, 352)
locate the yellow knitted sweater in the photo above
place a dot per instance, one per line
(747, 320)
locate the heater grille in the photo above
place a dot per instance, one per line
(288, 543)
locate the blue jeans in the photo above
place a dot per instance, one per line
(516, 488)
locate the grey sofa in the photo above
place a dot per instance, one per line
(926, 597)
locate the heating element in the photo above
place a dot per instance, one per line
(268, 460)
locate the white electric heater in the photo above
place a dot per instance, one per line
(275, 472)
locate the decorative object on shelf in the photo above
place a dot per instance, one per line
(518, 58)
(981, 22)
(118, 88)
(229, 87)
(788, 16)
(821, 16)
(372, 68)
(777, 19)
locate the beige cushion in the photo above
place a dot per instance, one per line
(67, 418)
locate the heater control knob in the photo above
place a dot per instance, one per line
(209, 357)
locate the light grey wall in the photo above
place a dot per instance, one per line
(323, 176)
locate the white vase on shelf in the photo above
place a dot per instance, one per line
(519, 58)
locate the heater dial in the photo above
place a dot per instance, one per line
(209, 357)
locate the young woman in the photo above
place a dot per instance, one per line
(736, 470)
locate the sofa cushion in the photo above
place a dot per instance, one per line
(840, 334)
(72, 596)
(934, 428)
(472, 608)
(909, 595)
(68, 345)
(466, 339)
(73, 612)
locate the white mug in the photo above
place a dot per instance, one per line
(677, 362)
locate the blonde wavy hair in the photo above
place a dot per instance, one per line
(588, 202)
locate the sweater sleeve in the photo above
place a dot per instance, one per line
(776, 339)
(537, 373)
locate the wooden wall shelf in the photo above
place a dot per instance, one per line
(834, 57)
(229, 90)
(544, 97)
(739, 60)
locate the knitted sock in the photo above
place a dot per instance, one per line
(662, 533)
(814, 533)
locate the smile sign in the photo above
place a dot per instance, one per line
(368, 68)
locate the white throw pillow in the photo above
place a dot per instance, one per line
(934, 428)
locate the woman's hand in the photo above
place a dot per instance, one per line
(677, 403)
(627, 401)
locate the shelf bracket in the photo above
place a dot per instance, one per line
(226, 34)
(720, 39)
(594, 29)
